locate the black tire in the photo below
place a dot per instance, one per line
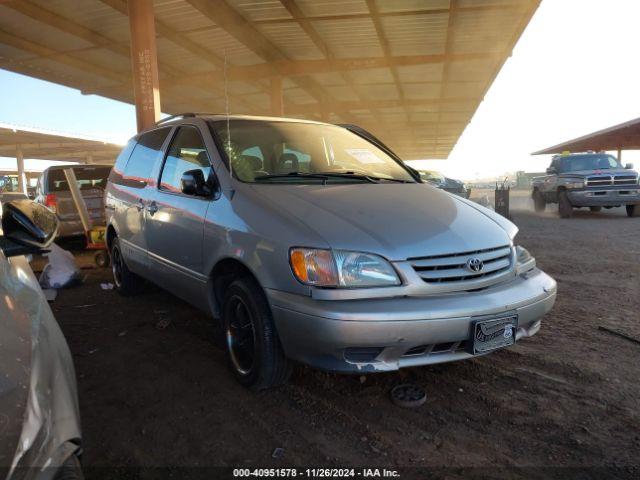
(539, 203)
(564, 205)
(254, 352)
(633, 210)
(595, 209)
(70, 470)
(101, 258)
(126, 282)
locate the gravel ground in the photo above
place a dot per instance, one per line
(154, 389)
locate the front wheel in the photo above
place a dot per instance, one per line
(564, 205)
(633, 210)
(254, 351)
(539, 203)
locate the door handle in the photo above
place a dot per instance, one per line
(152, 208)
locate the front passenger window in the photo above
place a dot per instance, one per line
(187, 152)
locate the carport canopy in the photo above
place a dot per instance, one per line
(625, 136)
(412, 72)
(32, 143)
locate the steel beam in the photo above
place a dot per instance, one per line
(144, 63)
(22, 178)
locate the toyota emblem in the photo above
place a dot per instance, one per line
(475, 265)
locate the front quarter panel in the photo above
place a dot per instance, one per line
(509, 227)
(241, 226)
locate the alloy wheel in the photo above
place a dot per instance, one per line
(240, 335)
(116, 266)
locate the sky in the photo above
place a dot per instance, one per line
(573, 71)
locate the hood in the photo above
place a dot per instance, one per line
(397, 221)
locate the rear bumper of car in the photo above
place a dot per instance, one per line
(605, 197)
(387, 334)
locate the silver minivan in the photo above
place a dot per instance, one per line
(314, 243)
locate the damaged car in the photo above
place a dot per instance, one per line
(39, 417)
(314, 243)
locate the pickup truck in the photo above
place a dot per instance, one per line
(587, 180)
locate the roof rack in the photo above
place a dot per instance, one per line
(184, 115)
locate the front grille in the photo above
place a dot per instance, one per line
(453, 268)
(599, 181)
(606, 180)
(625, 180)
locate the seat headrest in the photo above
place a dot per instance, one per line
(203, 158)
(288, 162)
(255, 163)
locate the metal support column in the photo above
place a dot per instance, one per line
(22, 178)
(144, 62)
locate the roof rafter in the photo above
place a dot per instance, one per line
(399, 13)
(338, 107)
(293, 68)
(168, 32)
(238, 27)
(293, 8)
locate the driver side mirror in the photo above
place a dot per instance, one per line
(28, 227)
(194, 183)
(551, 170)
(629, 166)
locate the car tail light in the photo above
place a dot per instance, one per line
(51, 201)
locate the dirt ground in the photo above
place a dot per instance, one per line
(154, 389)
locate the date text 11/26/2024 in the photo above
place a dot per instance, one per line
(315, 473)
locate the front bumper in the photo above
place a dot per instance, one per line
(605, 197)
(388, 334)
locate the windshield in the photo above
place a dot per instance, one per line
(88, 177)
(600, 161)
(296, 152)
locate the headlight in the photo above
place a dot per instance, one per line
(524, 259)
(341, 268)
(575, 184)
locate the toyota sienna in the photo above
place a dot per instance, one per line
(314, 243)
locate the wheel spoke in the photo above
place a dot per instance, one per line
(240, 335)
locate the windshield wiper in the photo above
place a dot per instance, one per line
(369, 178)
(358, 176)
(397, 180)
(324, 176)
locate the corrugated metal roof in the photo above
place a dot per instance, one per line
(50, 145)
(625, 136)
(411, 71)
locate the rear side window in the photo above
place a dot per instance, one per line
(137, 172)
(121, 161)
(88, 177)
(187, 152)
